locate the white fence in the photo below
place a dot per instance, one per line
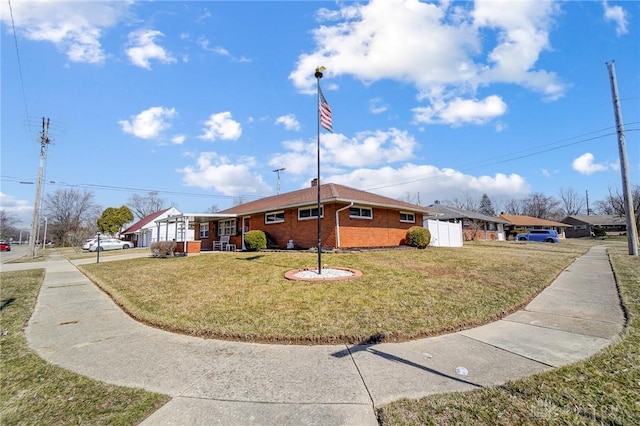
(445, 234)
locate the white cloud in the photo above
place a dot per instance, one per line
(214, 171)
(150, 123)
(204, 43)
(178, 139)
(289, 122)
(74, 27)
(19, 209)
(365, 149)
(461, 111)
(586, 166)
(444, 50)
(430, 182)
(377, 106)
(617, 15)
(221, 126)
(143, 48)
(300, 159)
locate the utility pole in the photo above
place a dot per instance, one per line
(35, 221)
(587, 193)
(632, 231)
(282, 169)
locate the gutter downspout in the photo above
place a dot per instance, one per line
(338, 223)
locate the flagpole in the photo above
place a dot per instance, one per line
(318, 76)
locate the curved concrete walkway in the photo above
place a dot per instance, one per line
(76, 326)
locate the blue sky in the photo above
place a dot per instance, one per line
(201, 101)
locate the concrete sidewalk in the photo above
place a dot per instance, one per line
(76, 326)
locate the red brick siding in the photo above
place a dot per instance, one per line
(385, 229)
(468, 235)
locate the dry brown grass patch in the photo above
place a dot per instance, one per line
(403, 294)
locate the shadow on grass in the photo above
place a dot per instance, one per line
(6, 302)
(256, 257)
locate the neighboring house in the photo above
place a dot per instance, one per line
(475, 226)
(583, 225)
(350, 218)
(146, 230)
(520, 223)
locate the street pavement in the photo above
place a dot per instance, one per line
(77, 326)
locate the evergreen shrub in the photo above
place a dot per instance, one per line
(419, 237)
(255, 240)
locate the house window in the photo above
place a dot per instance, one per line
(310, 213)
(204, 230)
(407, 217)
(274, 217)
(361, 212)
(227, 227)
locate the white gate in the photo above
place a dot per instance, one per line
(445, 234)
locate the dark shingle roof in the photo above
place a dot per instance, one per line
(600, 219)
(448, 213)
(329, 192)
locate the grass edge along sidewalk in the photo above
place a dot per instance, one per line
(33, 391)
(601, 390)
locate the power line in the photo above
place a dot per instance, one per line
(507, 157)
(121, 188)
(529, 152)
(15, 39)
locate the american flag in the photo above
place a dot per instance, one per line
(325, 113)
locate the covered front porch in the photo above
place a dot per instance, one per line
(205, 237)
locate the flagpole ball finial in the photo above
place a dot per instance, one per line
(318, 73)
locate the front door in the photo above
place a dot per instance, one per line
(246, 227)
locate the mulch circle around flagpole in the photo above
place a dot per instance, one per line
(327, 274)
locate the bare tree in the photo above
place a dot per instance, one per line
(69, 213)
(238, 199)
(213, 209)
(467, 203)
(614, 203)
(144, 205)
(573, 203)
(543, 207)
(8, 224)
(514, 206)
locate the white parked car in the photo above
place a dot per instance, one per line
(110, 244)
(87, 243)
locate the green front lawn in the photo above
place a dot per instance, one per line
(33, 392)
(603, 390)
(404, 294)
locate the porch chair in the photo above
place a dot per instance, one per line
(222, 243)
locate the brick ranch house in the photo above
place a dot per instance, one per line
(521, 223)
(583, 225)
(350, 218)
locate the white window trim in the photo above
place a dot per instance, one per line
(224, 228)
(360, 208)
(408, 221)
(277, 220)
(204, 230)
(311, 209)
